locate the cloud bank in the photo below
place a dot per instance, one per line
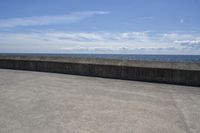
(100, 42)
(49, 20)
(189, 43)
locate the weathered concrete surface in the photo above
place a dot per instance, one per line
(110, 62)
(36, 102)
(161, 72)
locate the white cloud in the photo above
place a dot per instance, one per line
(171, 37)
(100, 42)
(189, 43)
(49, 20)
(81, 36)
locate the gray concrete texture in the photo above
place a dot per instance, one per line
(161, 72)
(110, 62)
(37, 102)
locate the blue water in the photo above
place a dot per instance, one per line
(163, 58)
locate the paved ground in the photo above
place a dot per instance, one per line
(36, 102)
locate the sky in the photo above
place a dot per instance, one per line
(100, 26)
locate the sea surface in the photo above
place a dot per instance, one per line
(140, 57)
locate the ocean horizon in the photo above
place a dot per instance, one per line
(138, 57)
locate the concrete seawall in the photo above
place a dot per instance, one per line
(161, 72)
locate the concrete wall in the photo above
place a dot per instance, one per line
(161, 72)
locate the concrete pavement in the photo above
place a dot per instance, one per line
(37, 102)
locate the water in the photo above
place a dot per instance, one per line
(163, 58)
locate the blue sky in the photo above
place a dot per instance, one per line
(103, 26)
